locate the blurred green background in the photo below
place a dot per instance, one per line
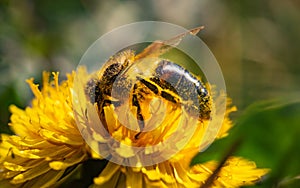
(256, 43)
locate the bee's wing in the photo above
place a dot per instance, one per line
(158, 48)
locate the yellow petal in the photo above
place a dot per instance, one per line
(134, 180)
(107, 173)
(30, 174)
(58, 138)
(151, 173)
(44, 181)
(236, 172)
(61, 165)
(22, 166)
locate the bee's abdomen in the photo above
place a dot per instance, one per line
(193, 94)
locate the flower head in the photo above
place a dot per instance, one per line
(47, 143)
(176, 172)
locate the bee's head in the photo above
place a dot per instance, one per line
(115, 65)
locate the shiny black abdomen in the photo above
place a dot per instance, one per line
(194, 95)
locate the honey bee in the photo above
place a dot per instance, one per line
(164, 79)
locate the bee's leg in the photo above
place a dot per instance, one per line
(104, 103)
(108, 102)
(154, 88)
(135, 102)
(149, 85)
(102, 114)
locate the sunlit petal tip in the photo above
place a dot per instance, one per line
(47, 139)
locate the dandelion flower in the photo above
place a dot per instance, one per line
(176, 171)
(47, 145)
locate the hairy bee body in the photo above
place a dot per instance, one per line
(166, 79)
(99, 87)
(127, 76)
